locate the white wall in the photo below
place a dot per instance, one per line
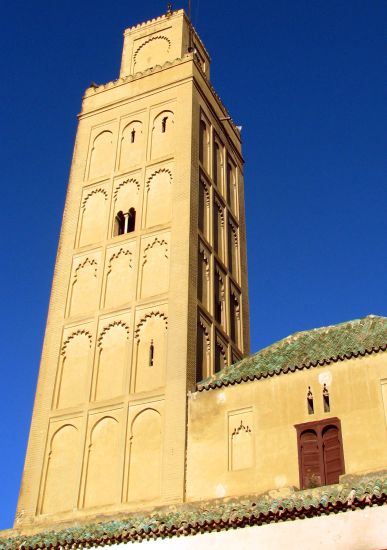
(360, 530)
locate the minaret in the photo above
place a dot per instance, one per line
(150, 290)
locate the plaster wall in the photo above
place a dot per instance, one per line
(242, 439)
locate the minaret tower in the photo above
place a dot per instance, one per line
(149, 292)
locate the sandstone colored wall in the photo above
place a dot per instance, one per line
(242, 439)
(120, 348)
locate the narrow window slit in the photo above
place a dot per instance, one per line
(327, 406)
(151, 354)
(309, 399)
(164, 124)
(132, 135)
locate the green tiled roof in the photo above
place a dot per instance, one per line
(307, 349)
(189, 519)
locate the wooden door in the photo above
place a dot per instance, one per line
(311, 474)
(333, 464)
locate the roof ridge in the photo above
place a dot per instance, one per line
(328, 327)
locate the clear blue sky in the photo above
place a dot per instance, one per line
(305, 79)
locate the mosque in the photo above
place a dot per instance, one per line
(152, 420)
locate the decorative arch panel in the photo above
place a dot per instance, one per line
(151, 351)
(60, 488)
(145, 456)
(74, 370)
(101, 157)
(113, 358)
(163, 134)
(103, 471)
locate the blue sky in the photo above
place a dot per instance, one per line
(306, 81)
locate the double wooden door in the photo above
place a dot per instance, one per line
(320, 453)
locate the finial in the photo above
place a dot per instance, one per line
(169, 8)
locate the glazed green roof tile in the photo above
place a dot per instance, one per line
(189, 519)
(306, 349)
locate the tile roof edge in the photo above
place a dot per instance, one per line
(300, 505)
(216, 384)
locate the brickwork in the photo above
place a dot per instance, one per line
(120, 345)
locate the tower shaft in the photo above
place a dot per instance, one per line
(150, 287)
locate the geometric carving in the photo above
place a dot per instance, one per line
(101, 159)
(155, 268)
(103, 472)
(232, 191)
(218, 223)
(143, 322)
(219, 296)
(119, 278)
(158, 198)
(220, 354)
(93, 223)
(204, 208)
(203, 275)
(84, 288)
(241, 451)
(204, 144)
(145, 456)
(151, 336)
(152, 52)
(131, 145)
(61, 482)
(74, 369)
(235, 317)
(163, 135)
(217, 166)
(125, 191)
(233, 248)
(112, 360)
(203, 350)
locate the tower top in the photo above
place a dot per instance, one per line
(161, 40)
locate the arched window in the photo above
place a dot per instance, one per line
(125, 223)
(131, 220)
(217, 164)
(120, 223)
(309, 400)
(203, 350)
(327, 406)
(220, 356)
(219, 298)
(235, 317)
(203, 144)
